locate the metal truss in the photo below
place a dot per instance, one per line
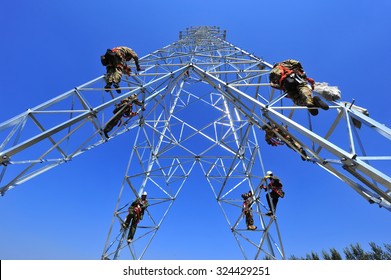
(181, 130)
(206, 102)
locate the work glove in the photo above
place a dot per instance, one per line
(312, 82)
(127, 71)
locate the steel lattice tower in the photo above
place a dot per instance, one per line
(206, 101)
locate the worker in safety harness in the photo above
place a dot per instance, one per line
(273, 187)
(115, 62)
(123, 109)
(136, 214)
(272, 137)
(290, 77)
(247, 211)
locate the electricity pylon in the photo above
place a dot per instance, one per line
(189, 123)
(206, 101)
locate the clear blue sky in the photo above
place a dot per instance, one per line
(49, 47)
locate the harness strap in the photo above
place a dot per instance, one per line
(276, 141)
(285, 73)
(137, 210)
(275, 189)
(117, 50)
(121, 55)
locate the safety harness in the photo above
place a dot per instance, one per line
(276, 141)
(122, 65)
(285, 72)
(119, 52)
(277, 189)
(137, 210)
(125, 114)
(246, 207)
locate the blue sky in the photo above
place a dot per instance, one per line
(50, 47)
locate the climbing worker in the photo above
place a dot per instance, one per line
(247, 211)
(290, 77)
(115, 61)
(272, 137)
(123, 109)
(136, 214)
(273, 191)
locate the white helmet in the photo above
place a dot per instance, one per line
(144, 193)
(269, 173)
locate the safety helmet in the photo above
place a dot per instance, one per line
(144, 194)
(269, 173)
(132, 98)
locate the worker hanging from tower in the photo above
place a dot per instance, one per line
(123, 109)
(273, 187)
(290, 77)
(115, 61)
(273, 134)
(136, 214)
(247, 210)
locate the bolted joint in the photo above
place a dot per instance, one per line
(4, 160)
(93, 113)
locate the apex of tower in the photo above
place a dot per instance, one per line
(203, 32)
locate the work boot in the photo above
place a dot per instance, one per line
(129, 240)
(107, 87)
(320, 103)
(252, 227)
(117, 86)
(303, 154)
(270, 213)
(313, 111)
